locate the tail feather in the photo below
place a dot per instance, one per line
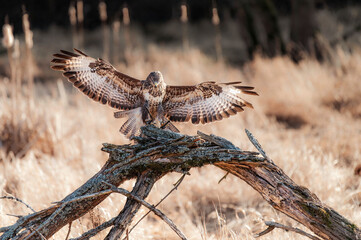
(248, 104)
(125, 128)
(132, 125)
(126, 113)
(133, 131)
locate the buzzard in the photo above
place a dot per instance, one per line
(150, 100)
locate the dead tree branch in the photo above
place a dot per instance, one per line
(157, 212)
(18, 200)
(96, 230)
(141, 190)
(273, 225)
(174, 188)
(158, 152)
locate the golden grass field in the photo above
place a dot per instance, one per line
(307, 118)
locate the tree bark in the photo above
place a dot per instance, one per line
(158, 152)
(142, 188)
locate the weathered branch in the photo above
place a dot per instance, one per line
(18, 200)
(140, 191)
(293, 200)
(176, 185)
(158, 152)
(96, 230)
(69, 230)
(146, 184)
(273, 225)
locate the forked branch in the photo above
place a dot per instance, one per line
(158, 152)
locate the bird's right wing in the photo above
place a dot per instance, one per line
(99, 80)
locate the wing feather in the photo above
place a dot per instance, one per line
(99, 80)
(205, 102)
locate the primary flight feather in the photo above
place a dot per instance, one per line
(151, 100)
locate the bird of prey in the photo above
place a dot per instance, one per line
(150, 101)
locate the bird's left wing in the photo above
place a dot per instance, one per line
(205, 102)
(99, 80)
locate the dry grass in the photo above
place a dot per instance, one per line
(307, 118)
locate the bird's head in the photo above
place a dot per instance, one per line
(155, 78)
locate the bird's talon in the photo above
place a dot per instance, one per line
(165, 124)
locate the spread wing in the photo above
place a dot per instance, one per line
(99, 80)
(205, 102)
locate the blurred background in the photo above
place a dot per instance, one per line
(239, 28)
(302, 56)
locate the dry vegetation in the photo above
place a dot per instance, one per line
(307, 117)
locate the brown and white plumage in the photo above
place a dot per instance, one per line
(150, 100)
(99, 80)
(205, 102)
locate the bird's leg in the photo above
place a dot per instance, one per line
(164, 124)
(151, 117)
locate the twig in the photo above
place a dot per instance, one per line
(127, 234)
(217, 140)
(13, 215)
(176, 185)
(142, 187)
(273, 225)
(97, 194)
(256, 144)
(41, 235)
(67, 235)
(151, 208)
(224, 177)
(96, 230)
(18, 200)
